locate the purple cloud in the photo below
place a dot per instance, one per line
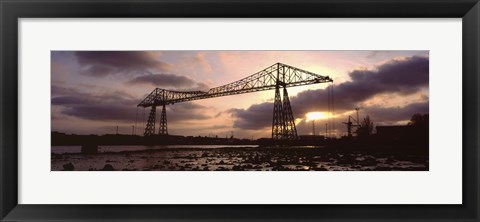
(103, 63)
(406, 76)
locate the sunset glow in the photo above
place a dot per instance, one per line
(316, 115)
(96, 92)
(242, 110)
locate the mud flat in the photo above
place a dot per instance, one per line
(240, 159)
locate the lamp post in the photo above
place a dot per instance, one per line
(313, 127)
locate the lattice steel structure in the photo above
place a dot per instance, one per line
(273, 77)
(150, 128)
(289, 128)
(278, 120)
(163, 122)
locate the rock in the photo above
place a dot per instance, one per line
(278, 168)
(107, 167)
(320, 169)
(68, 167)
(369, 161)
(383, 168)
(237, 168)
(390, 160)
(248, 166)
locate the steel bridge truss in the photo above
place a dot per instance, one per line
(274, 77)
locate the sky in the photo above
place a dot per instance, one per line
(93, 92)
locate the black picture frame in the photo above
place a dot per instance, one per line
(11, 11)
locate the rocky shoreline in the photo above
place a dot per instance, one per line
(241, 159)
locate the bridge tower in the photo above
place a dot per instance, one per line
(283, 124)
(278, 120)
(150, 128)
(290, 130)
(163, 122)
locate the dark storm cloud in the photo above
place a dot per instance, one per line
(397, 76)
(70, 100)
(163, 80)
(58, 90)
(169, 81)
(257, 116)
(187, 111)
(100, 71)
(111, 106)
(394, 114)
(118, 106)
(117, 112)
(403, 77)
(103, 63)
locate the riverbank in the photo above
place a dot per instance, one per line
(243, 159)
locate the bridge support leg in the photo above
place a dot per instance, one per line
(150, 128)
(290, 130)
(163, 130)
(283, 125)
(278, 122)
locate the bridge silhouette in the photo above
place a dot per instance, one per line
(277, 76)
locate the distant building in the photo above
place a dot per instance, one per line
(311, 138)
(395, 132)
(56, 133)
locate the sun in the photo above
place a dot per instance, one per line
(316, 115)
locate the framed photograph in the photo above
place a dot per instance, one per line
(227, 110)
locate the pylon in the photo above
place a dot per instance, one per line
(283, 124)
(163, 122)
(290, 131)
(150, 128)
(278, 120)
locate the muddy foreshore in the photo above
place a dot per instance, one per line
(243, 159)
